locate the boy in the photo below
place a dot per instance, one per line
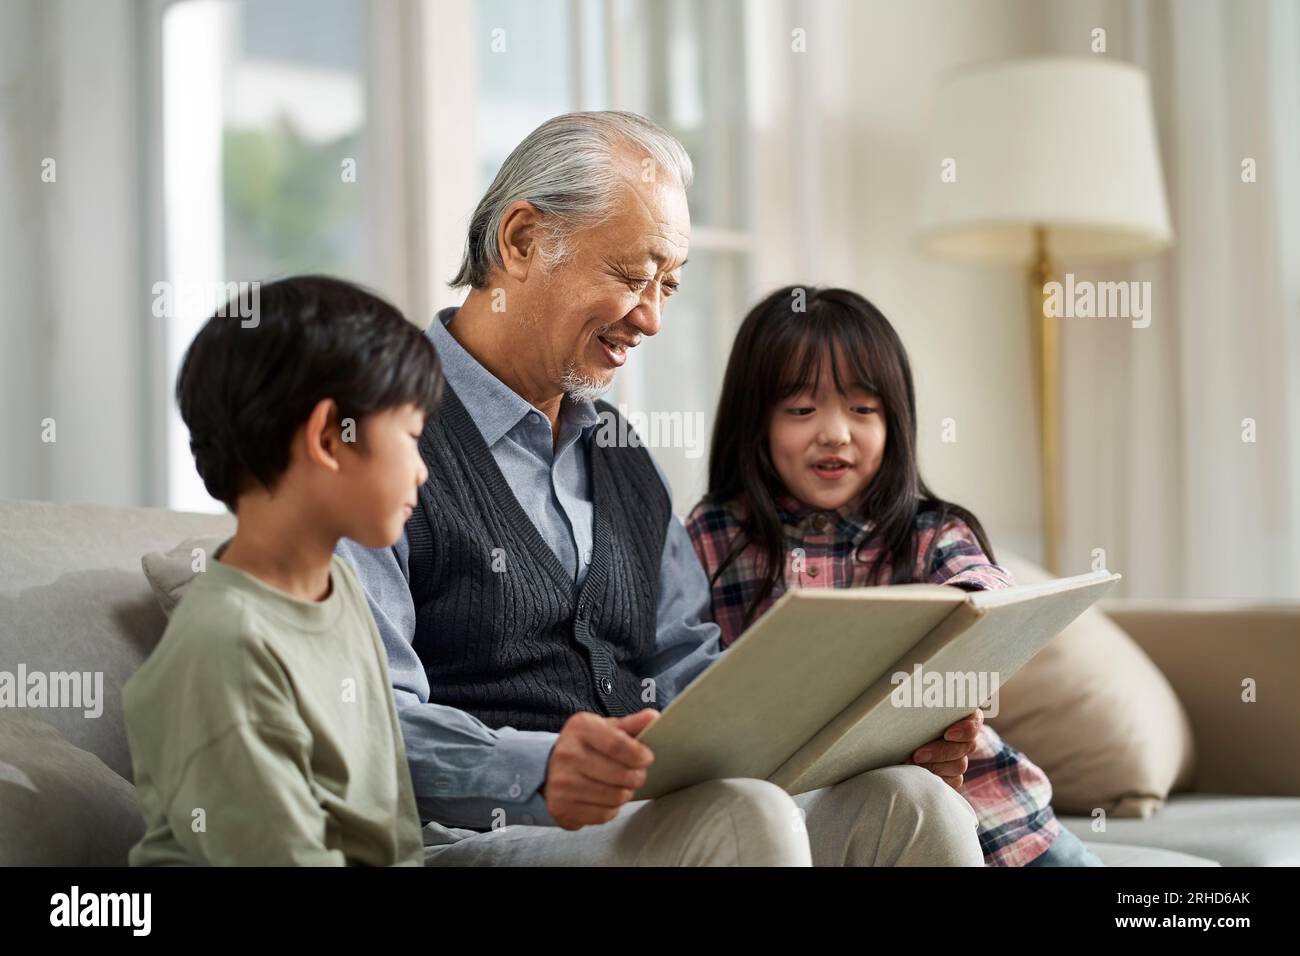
(262, 728)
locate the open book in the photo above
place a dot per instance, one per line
(833, 682)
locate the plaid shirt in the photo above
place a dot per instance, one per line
(824, 549)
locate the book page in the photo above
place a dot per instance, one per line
(973, 653)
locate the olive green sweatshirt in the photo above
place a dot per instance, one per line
(263, 731)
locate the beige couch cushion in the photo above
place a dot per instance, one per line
(1098, 717)
(1247, 743)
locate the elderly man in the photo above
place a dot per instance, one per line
(543, 586)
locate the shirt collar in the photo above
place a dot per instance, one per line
(791, 508)
(495, 407)
(847, 519)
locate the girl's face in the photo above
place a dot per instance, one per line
(827, 446)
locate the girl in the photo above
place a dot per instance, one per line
(813, 482)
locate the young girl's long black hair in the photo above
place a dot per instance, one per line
(780, 350)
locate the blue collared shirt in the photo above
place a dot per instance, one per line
(462, 769)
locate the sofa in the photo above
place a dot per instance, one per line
(73, 598)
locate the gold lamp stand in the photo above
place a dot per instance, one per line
(1046, 336)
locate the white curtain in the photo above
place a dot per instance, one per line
(76, 333)
(1161, 471)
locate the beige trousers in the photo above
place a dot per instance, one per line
(895, 816)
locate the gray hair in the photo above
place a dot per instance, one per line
(566, 168)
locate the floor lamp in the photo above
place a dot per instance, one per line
(1038, 161)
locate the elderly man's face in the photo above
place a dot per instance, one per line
(595, 306)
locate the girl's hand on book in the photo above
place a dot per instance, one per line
(948, 756)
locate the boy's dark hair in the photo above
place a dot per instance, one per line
(244, 390)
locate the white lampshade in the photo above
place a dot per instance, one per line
(1066, 144)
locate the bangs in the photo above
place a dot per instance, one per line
(829, 332)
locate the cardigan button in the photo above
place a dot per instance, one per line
(606, 686)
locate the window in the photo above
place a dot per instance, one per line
(264, 154)
(683, 66)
